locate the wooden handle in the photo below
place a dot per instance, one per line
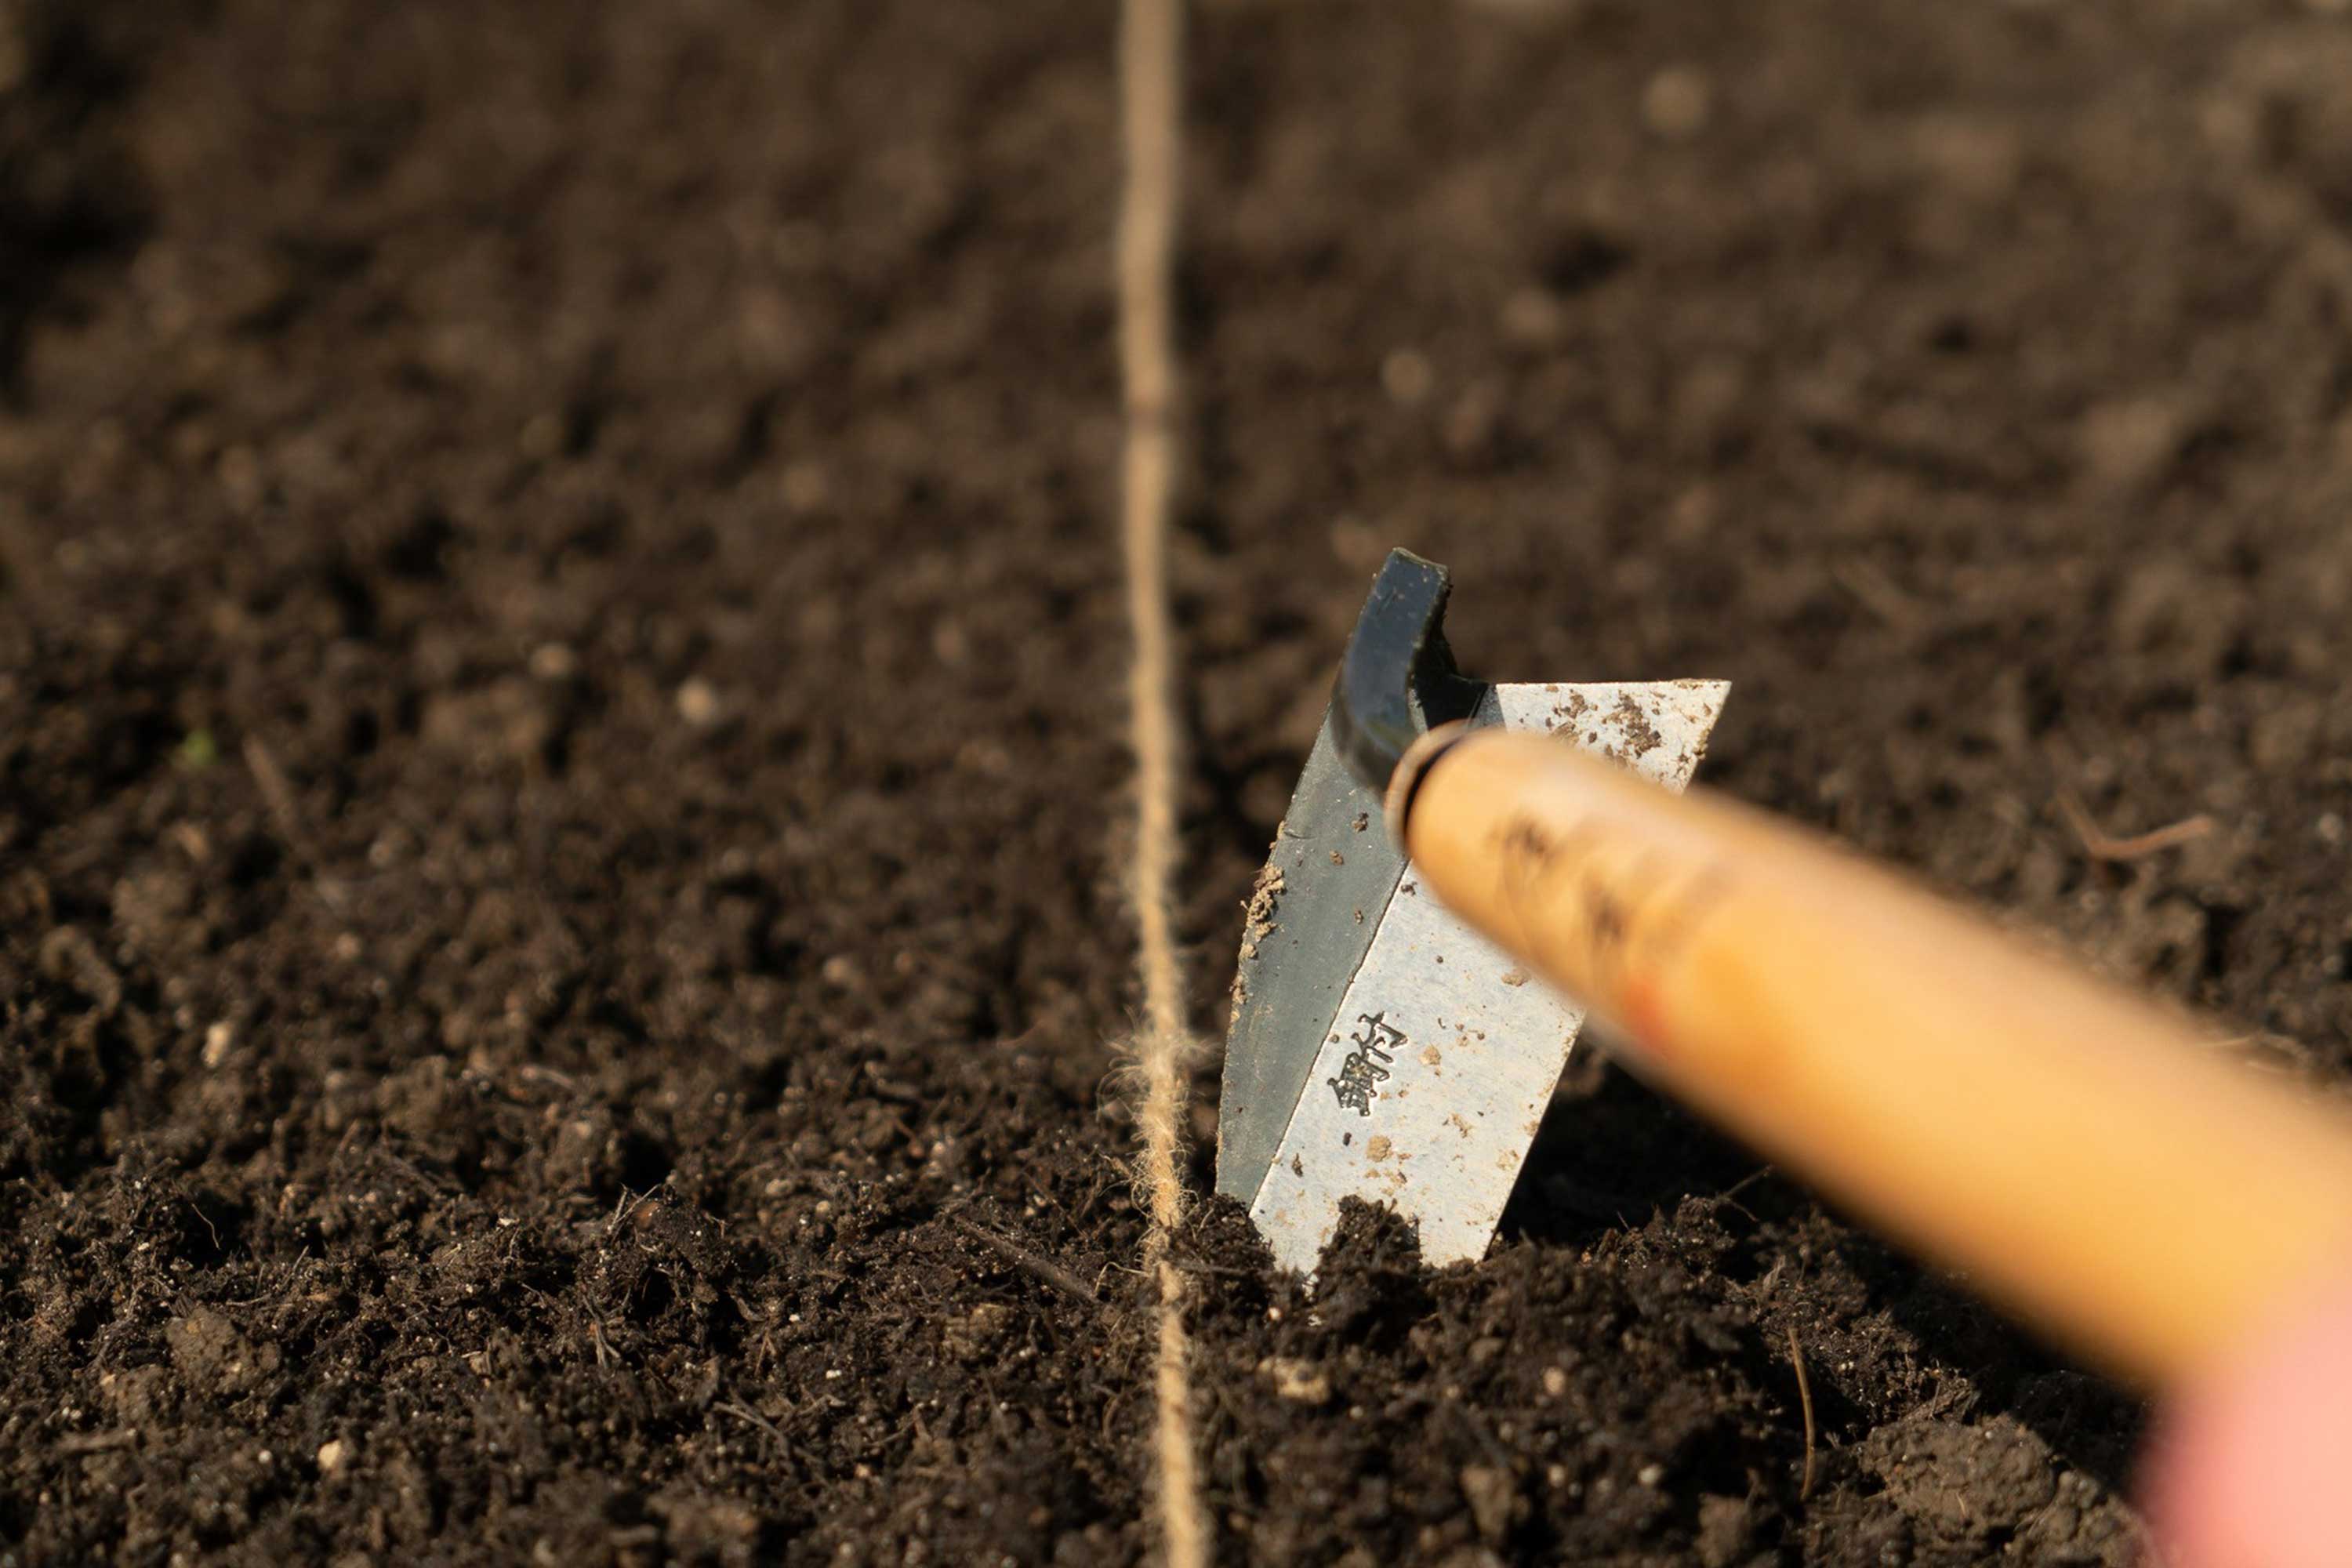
(2077, 1152)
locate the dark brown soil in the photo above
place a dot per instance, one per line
(559, 771)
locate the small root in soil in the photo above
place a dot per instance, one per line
(1804, 1398)
(1035, 1265)
(2099, 846)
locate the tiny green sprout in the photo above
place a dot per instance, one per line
(197, 750)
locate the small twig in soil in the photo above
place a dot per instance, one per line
(1035, 1265)
(98, 1442)
(1093, 1198)
(1730, 1195)
(1877, 594)
(2099, 846)
(1804, 1398)
(278, 794)
(746, 1414)
(532, 1072)
(1745, 1182)
(624, 1205)
(890, 1089)
(1110, 1412)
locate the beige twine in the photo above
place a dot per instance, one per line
(1150, 41)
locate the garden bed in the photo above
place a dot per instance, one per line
(560, 734)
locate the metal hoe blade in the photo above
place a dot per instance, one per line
(1379, 1049)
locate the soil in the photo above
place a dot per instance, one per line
(561, 954)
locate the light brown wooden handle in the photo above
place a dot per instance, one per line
(2078, 1153)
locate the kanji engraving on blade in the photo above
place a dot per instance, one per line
(1377, 1041)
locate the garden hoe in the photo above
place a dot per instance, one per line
(1455, 850)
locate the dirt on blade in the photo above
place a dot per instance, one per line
(560, 765)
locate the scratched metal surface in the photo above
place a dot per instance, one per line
(1436, 1065)
(1311, 918)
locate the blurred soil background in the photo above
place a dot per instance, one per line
(560, 734)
